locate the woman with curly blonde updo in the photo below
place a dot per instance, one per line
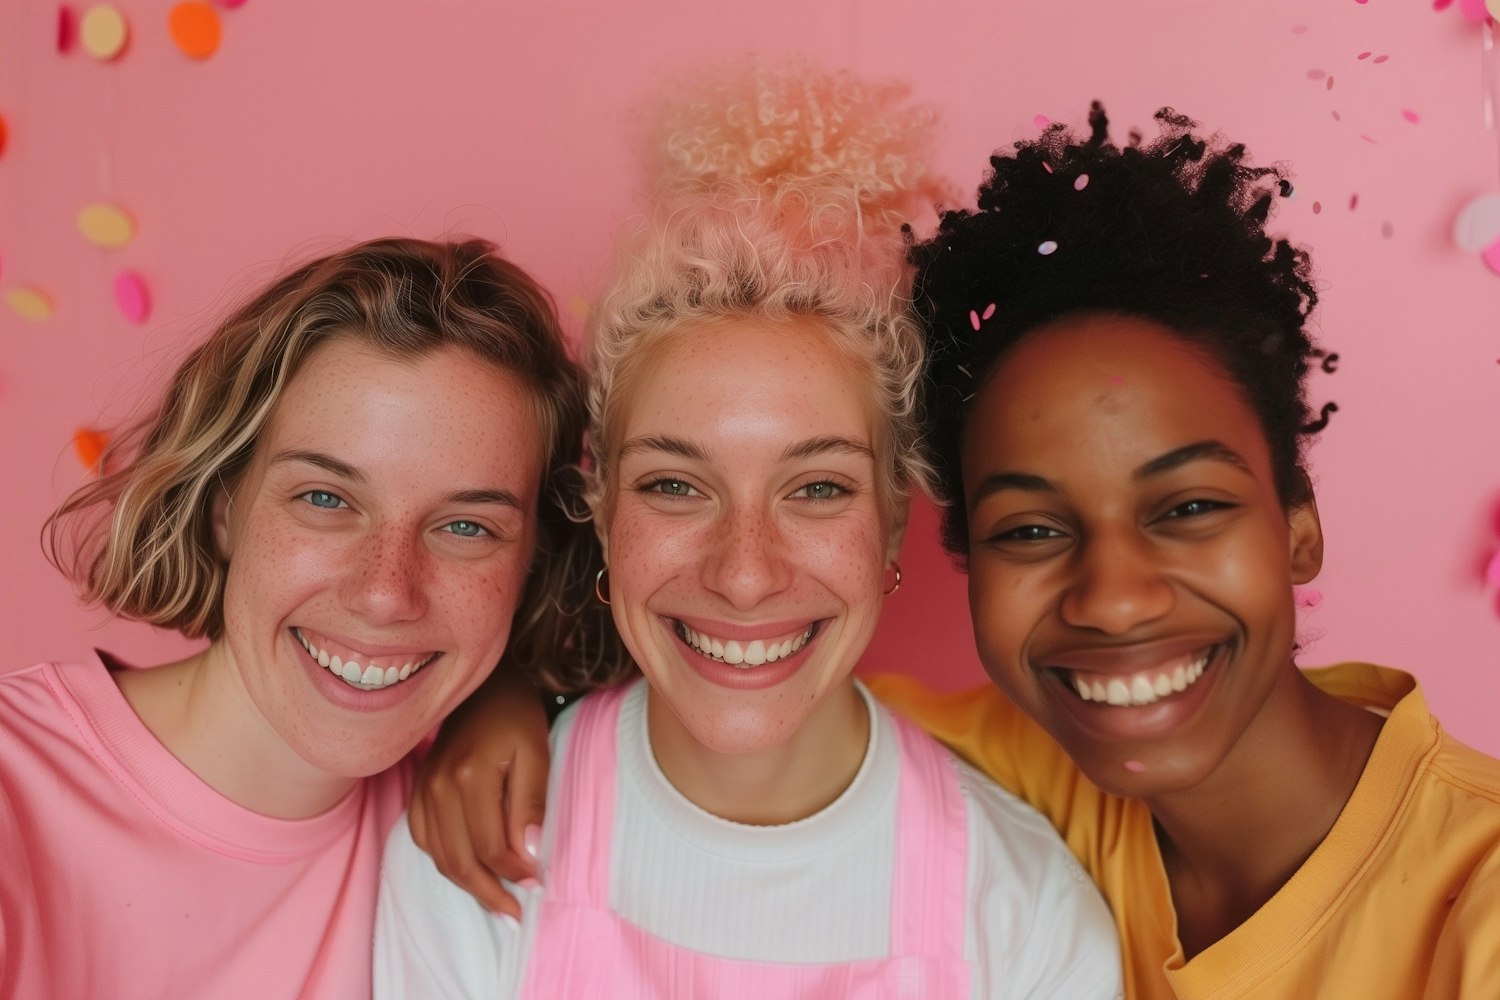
(745, 821)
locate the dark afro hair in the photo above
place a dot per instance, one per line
(1172, 231)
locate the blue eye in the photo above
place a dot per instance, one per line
(323, 500)
(466, 529)
(822, 490)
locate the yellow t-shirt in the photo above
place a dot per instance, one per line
(1401, 900)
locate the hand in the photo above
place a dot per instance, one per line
(481, 792)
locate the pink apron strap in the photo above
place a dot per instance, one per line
(932, 833)
(578, 871)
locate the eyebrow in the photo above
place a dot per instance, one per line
(682, 448)
(1213, 451)
(343, 470)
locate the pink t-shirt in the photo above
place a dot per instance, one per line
(122, 875)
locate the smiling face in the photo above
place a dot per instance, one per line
(1130, 564)
(746, 536)
(377, 545)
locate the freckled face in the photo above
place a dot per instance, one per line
(387, 520)
(1130, 565)
(746, 538)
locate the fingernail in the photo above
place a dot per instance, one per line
(510, 922)
(529, 883)
(532, 838)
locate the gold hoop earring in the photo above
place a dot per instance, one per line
(896, 584)
(598, 582)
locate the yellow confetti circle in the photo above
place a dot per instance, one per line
(29, 303)
(102, 32)
(105, 225)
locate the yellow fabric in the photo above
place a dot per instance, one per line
(1401, 900)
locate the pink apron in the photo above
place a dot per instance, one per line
(583, 950)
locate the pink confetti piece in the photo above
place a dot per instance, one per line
(1387, 230)
(1041, 121)
(1361, 1)
(1299, 29)
(132, 296)
(1316, 74)
(989, 311)
(67, 30)
(1336, 116)
(974, 319)
(1441, 4)
(1329, 84)
(1492, 571)
(1364, 55)
(1353, 202)
(1410, 115)
(1134, 766)
(1047, 247)
(1381, 59)
(1491, 257)
(1317, 207)
(1307, 597)
(1047, 166)
(231, 4)
(1081, 182)
(1368, 138)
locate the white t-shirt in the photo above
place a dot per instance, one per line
(817, 890)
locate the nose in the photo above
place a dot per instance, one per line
(1118, 585)
(384, 581)
(747, 558)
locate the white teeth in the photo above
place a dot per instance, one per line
(366, 678)
(1141, 689)
(744, 655)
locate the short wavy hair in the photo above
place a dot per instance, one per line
(775, 193)
(1173, 231)
(139, 540)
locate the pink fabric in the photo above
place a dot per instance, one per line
(122, 875)
(583, 950)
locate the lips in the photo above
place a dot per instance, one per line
(365, 671)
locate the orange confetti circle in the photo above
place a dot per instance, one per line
(195, 28)
(89, 445)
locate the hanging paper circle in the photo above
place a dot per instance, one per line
(103, 32)
(106, 225)
(132, 296)
(1473, 11)
(1478, 223)
(1491, 256)
(195, 28)
(29, 303)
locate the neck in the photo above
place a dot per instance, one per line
(199, 710)
(1231, 842)
(781, 784)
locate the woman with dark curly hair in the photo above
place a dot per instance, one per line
(1118, 357)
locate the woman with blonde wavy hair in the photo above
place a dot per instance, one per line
(744, 820)
(345, 491)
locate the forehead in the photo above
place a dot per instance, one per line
(750, 376)
(444, 409)
(1124, 383)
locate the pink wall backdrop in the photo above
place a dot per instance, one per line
(319, 122)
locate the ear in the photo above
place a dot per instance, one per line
(1306, 540)
(900, 511)
(219, 516)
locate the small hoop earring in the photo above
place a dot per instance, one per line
(896, 584)
(598, 582)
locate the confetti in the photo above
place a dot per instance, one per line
(103, 32)
(1329, 84)
(67, 32)
(4, 133)
(1441, 4)
(989, 311)
(1368, 138)
(1047, 248)
(1316, 74)
(89, 445)
(1491, 257)
(1410, 115)
(1041, 121)
(1299, 29)
(1353, 202)
(29, 303)
(1336, 116)
(974, 319)
(105, 225)
(1047, 166)
(1381, 59)
(1473, 11)
(1307, 597)
(1387, 230)
(132, 296)
(194, 26)
(1492, 571)
(1317, 207)
(231, 4)
(1081, 182)
(1364, 55)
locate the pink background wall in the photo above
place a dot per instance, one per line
(321, 122)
